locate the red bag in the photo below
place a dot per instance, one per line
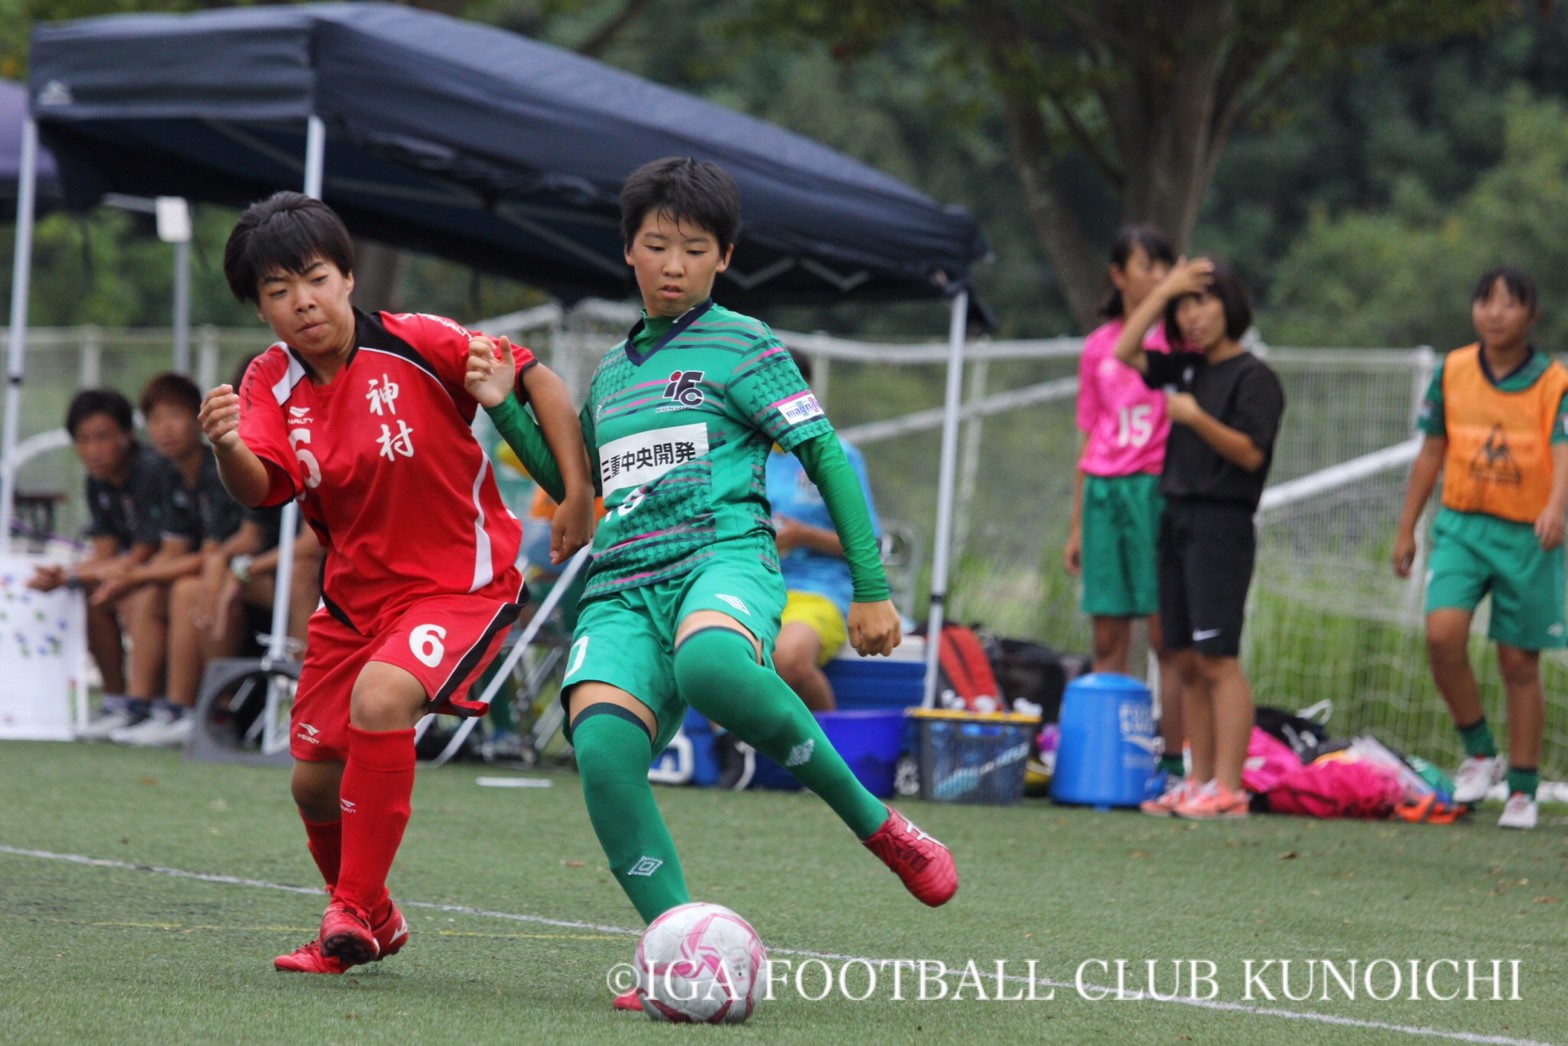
(967, 672)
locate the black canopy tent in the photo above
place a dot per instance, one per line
(13, 114)
(467, 142)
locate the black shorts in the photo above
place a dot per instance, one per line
(1206, 554)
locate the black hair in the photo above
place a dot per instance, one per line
(1232, 293)
(99, 401)
(288, 231)
(683, 189)
(802, 363)
(1518, 282)
(171, 388)
(1154, 244)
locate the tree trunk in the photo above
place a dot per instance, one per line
(378, 276)
(1079, 269)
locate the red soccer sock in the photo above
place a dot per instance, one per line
(378, 782)
(325, 839)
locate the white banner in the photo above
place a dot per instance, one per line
(43, 656)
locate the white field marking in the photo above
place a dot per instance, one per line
(572, 924)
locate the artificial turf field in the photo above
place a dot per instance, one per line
(142, 898)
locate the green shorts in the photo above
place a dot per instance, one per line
(1120, 527)
(627, 638)
(1474, 554)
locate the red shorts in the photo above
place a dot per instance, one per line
(445, 642)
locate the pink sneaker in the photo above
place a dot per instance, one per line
(1214, 802)
(1164, 805)
(923, 863)
(628, 1001)
(391, 934)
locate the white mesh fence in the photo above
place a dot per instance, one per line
(1328, 617)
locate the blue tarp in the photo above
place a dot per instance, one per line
(467, 142)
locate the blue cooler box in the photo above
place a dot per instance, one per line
(879, 682)
(869, 740)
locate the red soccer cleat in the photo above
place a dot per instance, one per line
(923, 863)
(346, 935)
(628, 1001)
(391, 934)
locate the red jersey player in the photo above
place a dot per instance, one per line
(364, 419)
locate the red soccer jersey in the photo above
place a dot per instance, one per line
(385, 465)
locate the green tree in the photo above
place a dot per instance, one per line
(1147, 95)
(1403, 276)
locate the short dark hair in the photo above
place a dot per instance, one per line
(287, 231)
(1154, 244)
(171, 388)
(99, 401)
(683, 189)
(802, 363)
(1518, 282)
(1232, 293)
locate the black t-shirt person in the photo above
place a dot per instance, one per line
(1241, 392)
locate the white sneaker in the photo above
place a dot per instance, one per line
(165, 728)
(1476, 777)
(110, 719)
(1520, 812)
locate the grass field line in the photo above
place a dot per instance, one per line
(953, 971)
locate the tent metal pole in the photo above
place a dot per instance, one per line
(21, 285)
(944, 496)
(182, 307)
(283, 583)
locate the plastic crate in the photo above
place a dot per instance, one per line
(971, 757)
(869, 741)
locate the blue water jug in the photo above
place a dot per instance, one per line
(1105, 752)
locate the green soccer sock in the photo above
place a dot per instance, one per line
(612, 758)
(1523, 779)
(1477, 738)
(718, 675)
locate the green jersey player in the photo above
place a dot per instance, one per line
(684, 593)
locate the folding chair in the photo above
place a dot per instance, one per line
(544, 729)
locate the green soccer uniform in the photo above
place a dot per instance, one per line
(680, 417)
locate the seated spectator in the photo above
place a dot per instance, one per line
(125, 497)
(816, 575)
(196, 506)
(208, 615)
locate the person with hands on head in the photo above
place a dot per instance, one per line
(1495, 422)
(364, 418)
(1225, 407)
(684, 593)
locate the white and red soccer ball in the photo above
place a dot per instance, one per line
(700, 963)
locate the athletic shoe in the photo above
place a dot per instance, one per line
(923, 863)
(115, 713)
(1164, 804)
(737, 762)
(1475, 778)
(167, 727)
(628, 1001)
(1519, 812)
(391, 934)
(346, 935)
(1214, 802)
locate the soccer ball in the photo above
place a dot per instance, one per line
(700, 963)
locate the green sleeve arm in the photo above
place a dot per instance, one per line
(824, 461)
(522, 434)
